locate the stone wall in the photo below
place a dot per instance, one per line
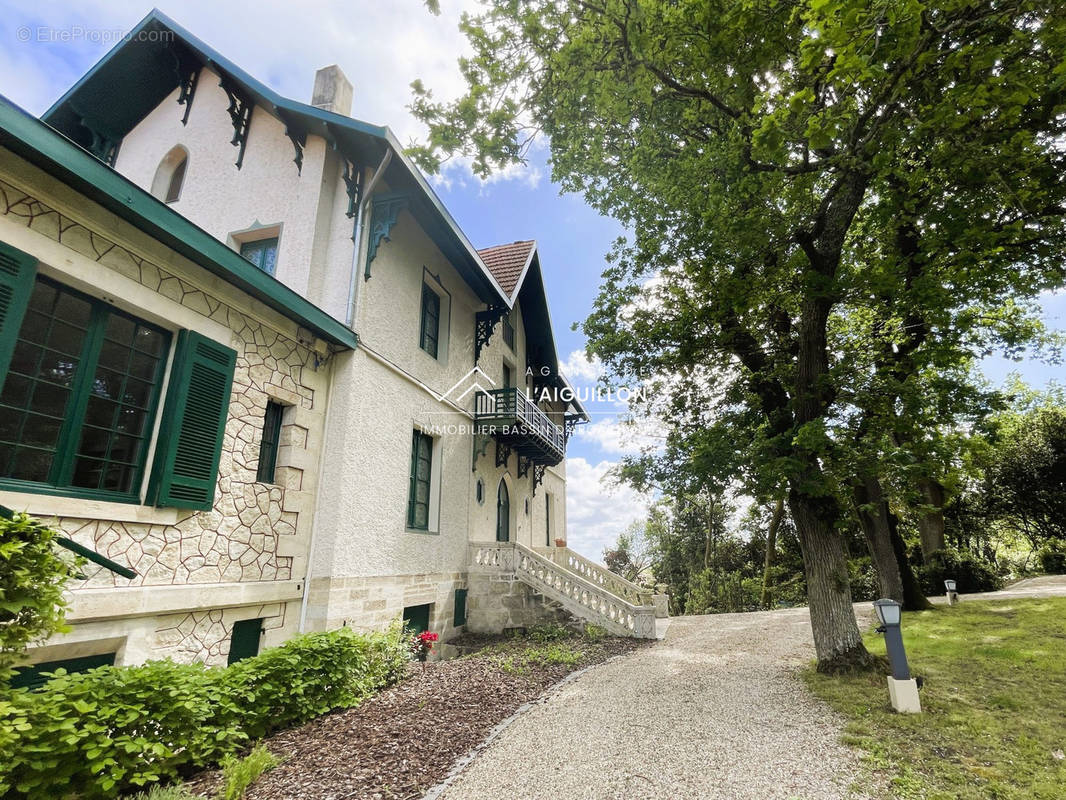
(497, 603)
(255, 532)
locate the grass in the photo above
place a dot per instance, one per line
(993, 725)
(238, 773)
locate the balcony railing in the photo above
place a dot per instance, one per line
(513, 417)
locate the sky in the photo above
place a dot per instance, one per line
(382, 46)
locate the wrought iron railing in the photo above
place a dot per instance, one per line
(512, 407)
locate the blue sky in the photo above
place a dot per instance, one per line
(382, 46)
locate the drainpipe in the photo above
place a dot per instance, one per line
(316, 518)
(357, 234)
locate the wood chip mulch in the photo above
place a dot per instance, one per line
(402, 742)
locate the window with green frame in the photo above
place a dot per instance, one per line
(80, 396)
(430, 334)
(80, 384)
(263, 253)
(421, 469)
(268, 448)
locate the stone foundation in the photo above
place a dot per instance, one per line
(496, 603)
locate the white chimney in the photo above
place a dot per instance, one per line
(333, 91)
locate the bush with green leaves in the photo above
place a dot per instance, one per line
(119, 729)
(32, 577)
(1052, 557)
(971, 574)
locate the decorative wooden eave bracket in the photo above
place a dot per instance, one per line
(485, 323)
(570, 423)
(384, 212)
(503, 454)
(523, 466)
(240, 114)
(104, 144)
(298, 137)
(187, 83)
(353, 187)
(538, 476)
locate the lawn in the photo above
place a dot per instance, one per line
(994, 704)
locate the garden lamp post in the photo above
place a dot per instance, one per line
(953, 596)
(902, 688)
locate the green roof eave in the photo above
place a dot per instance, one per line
(101, 87)
(55, 154)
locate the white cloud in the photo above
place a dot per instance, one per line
(578, 367)
(382, 47)
(597, 512)
(617, 437)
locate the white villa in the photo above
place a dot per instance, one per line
(238, 341)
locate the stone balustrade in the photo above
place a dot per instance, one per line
(601, 576)
(580, 596)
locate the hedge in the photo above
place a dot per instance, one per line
(111, 730)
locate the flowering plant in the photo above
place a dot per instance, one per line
(422, 644)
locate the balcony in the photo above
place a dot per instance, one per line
(516, 421)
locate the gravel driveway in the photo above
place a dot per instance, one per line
(715, 710)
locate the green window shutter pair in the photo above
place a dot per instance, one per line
(197, 402)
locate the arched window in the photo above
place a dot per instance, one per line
(170, 174)
(503, 513)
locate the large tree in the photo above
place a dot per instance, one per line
(744, 144)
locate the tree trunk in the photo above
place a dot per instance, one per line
(931, 519)
(872, 510)
(837, 642)
(771, 550)
(914, 598)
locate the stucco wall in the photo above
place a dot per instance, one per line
(266, 190)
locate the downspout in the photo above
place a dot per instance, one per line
(315, 520)
(357, 234)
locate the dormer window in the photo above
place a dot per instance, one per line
(170, 175)
(263, 253)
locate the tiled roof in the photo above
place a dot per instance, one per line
(506, 261)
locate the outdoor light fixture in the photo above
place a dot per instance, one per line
(953, 596)
(902, 688)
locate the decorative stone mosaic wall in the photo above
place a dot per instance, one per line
(238, 540)
(205, 635)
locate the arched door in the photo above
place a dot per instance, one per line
(503, 513)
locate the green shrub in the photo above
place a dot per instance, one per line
(595, 633)
(175, 792)
(1052, 557)
(32, 577)
(118, 729)
(864, 582)
(972, 574)
(240, 773)
(549, 633)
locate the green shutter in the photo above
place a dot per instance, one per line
(417, 617)
(33, 677)
(194, 419)
(17, 271)
(244, 640)
(460, 607)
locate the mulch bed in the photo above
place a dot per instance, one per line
(402, 742)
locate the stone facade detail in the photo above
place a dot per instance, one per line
(238, 540)
(205, 635)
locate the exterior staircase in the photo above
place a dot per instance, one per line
(583, 588)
